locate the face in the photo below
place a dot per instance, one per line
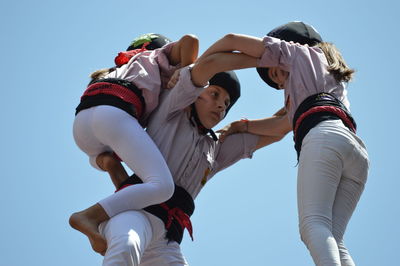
(211, 105)
(278, 75)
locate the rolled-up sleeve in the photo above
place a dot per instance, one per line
(235, 147)
(277, 53)
(183, 94)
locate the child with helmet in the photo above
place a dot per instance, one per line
(109, 119)
(181, 127)
(332, 160)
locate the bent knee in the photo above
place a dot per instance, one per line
(166, 191)
(314, 225)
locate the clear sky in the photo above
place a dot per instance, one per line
(245, 216)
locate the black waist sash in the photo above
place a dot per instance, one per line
(116, 92)
(315, 109)
(175, 212)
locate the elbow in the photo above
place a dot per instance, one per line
(231, 38)
(204, 70)
(190, 39)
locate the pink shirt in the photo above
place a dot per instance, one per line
(149, 71)
(307, 67)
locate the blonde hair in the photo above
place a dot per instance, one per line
(101, 73)
(337, 66)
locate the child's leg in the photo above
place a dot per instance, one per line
(351, 186)
(332, 172)
(110, 128)
(128, 235)
(347, 197)
(123, 134)
(107, 162)
(319, 174)
(104, 128)
(87, 222)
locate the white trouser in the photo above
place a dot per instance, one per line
(138, 238)
(332, 172)
(107, 128)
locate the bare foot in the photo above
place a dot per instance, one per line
(83, 223)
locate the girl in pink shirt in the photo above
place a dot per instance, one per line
(332, 160)
(110, 116)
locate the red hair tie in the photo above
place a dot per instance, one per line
(123, 57)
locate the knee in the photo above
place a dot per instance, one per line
(314, 226)
(166, 191)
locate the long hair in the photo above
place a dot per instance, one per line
(99, 74)
(337, 66)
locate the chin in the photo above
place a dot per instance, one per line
(214, 124)
(209, 125)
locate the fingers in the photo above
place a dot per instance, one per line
(223, 133)
(172, 82)
(174, 79)
(222, 136)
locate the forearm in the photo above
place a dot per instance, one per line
(270, 130)
(266, 140)
(204, 69)
(275, 126)
(249, 45)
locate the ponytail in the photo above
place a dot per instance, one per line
(101, 73)
(337, 66)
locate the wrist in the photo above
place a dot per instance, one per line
(244, 125)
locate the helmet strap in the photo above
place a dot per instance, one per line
(195, 121)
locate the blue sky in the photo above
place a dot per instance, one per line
(247, 215)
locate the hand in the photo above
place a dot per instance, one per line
(174, 79)
(232, 128)
(281, 112)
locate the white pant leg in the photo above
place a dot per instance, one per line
(138, 238)
(103, 128)
(84, 136)
(127, 234)
(351, 186)
(161, 251)
(326, 154)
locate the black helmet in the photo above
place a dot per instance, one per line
(298, 32)
(155, 41)
(230, 82)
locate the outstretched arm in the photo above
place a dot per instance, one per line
(245, 44)
(233, 51)
(203, 70)
(270, 129)
(276, 125)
